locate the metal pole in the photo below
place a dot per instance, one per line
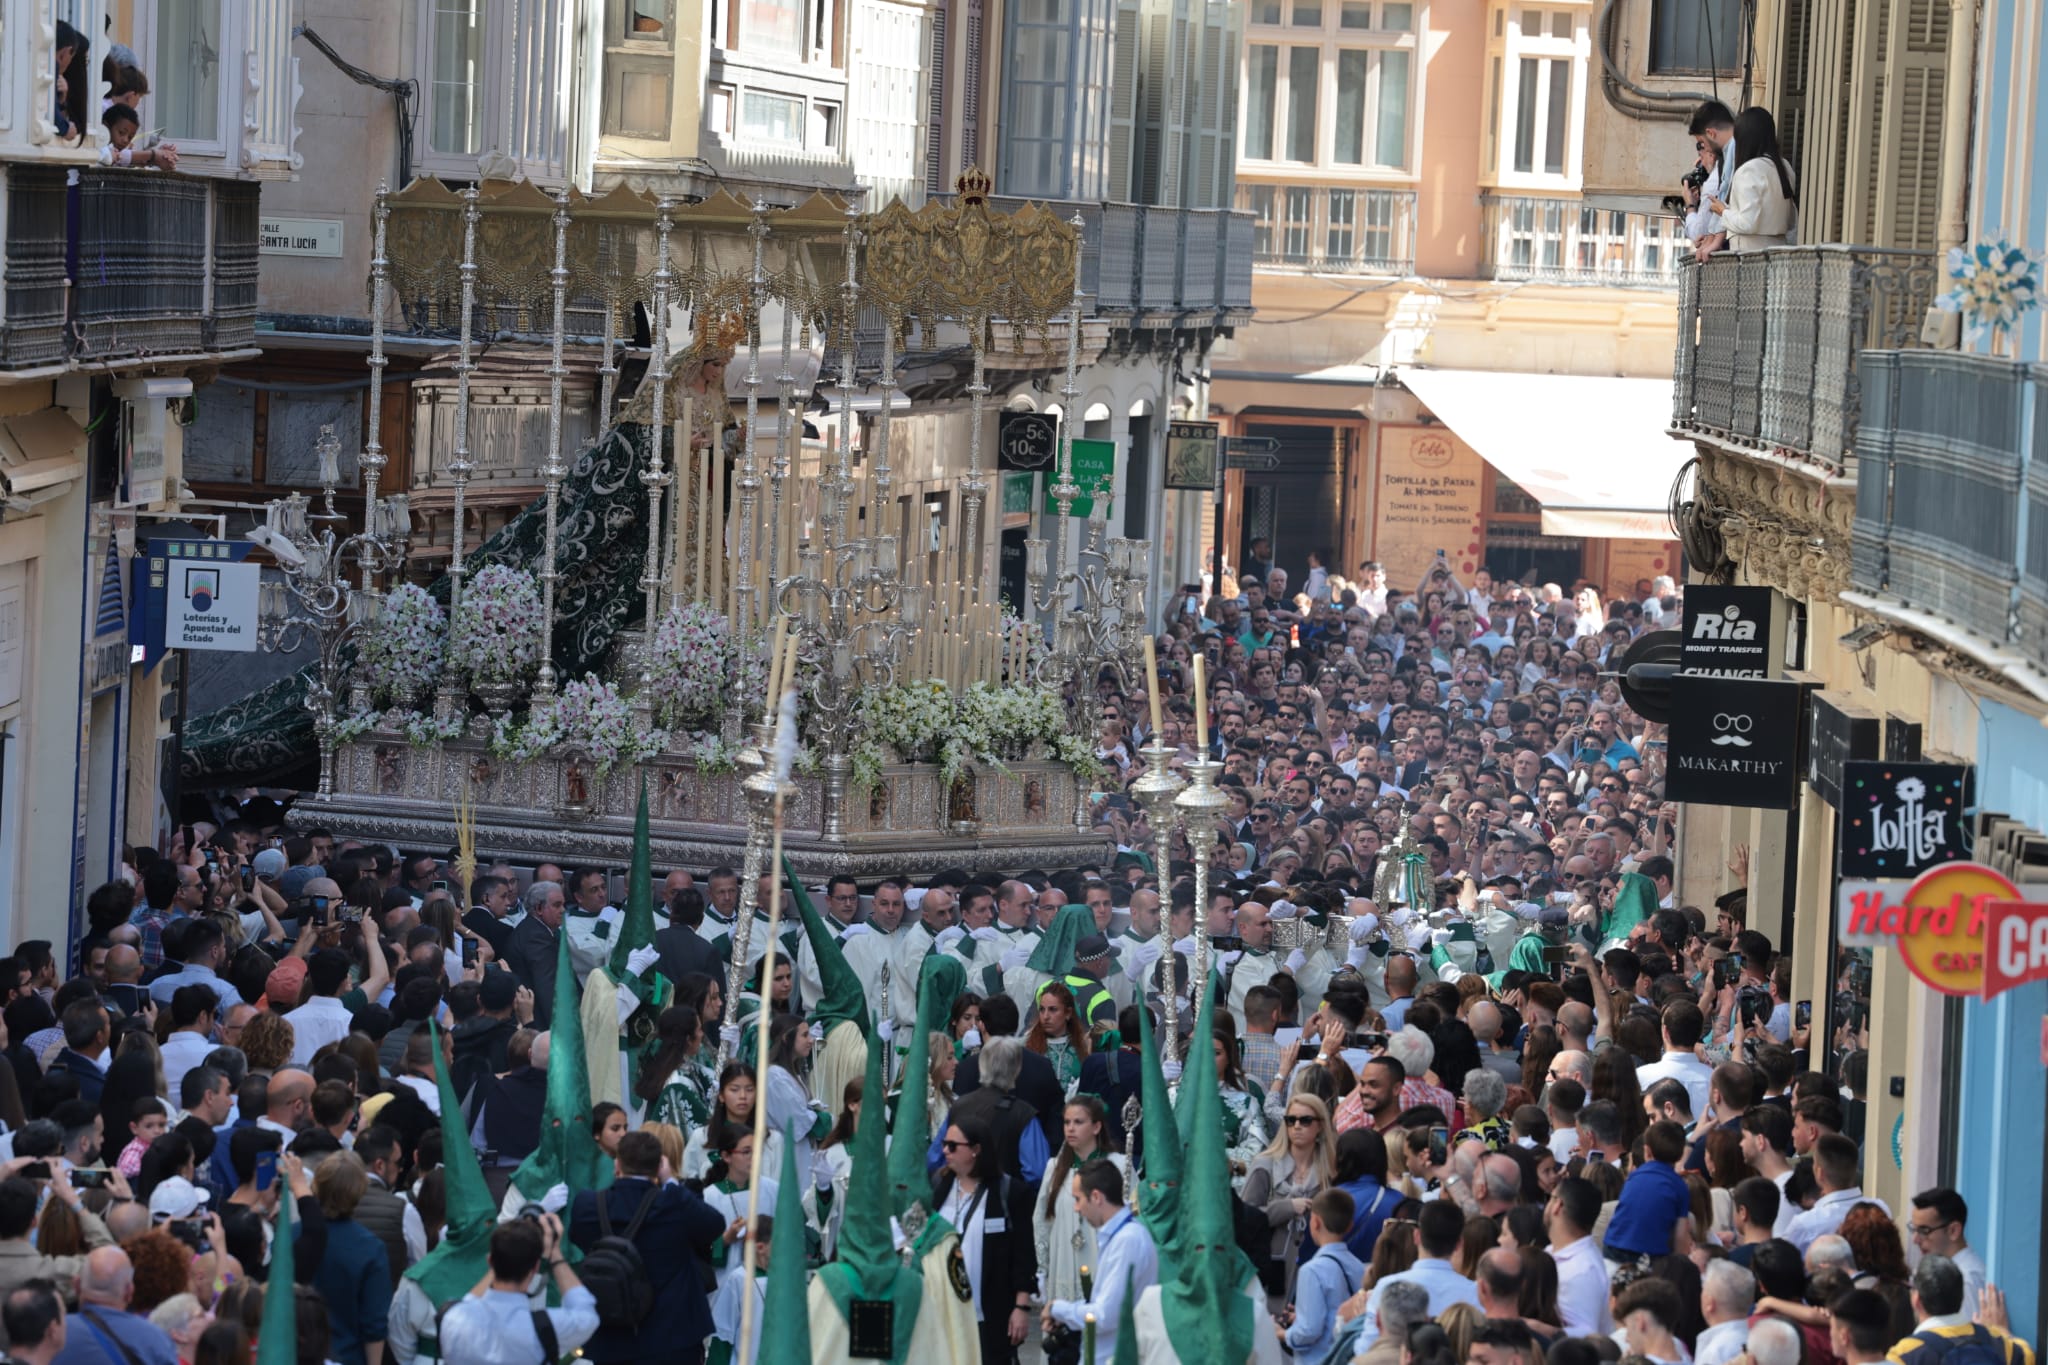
(655, 477)
(553, 471)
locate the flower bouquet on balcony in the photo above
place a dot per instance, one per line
(496, 635)
(1992, 285)
(400, 655)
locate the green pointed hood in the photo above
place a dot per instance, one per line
(279, 1342)
(1054, 954)
(785, 1330)
(637, 930)
(1159, 1191)
(453, 1267)
(1204, 1295)
(867, 1266)
(910, 1136)
(567, 1154)
(844, 996)
(1127, 1324)
(1634, 901)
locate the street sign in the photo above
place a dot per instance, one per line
(1257, 453)
(1094, 473)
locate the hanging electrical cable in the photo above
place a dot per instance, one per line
(404, 94)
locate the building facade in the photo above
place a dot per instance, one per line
(126, 289)
(1876, 465)
(1402, 227)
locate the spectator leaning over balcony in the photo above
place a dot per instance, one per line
(74, 79)
(1713, 131)
(122, 125)
(1761, 206)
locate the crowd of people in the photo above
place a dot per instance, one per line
(1485, 1090)
(120, 71)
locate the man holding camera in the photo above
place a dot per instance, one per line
(498, 1322)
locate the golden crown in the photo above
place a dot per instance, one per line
(974, 185)
(720, 333)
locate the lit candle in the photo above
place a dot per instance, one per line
(1152, 683)
(1202, 705)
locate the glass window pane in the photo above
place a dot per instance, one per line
(1557, 120)
(1397, 18)
(1351, 73)
(771, 118)
(1304, 67)
(1561, 24)
(1264, 68)
(1356, 14)
(647, 19)
(1266, 12)
(1308, 15)
(1532, 23)
(1392, 135)
(772, 26)
(1339, 239)
(1525, 115)
(1299, 227)
(186, 78)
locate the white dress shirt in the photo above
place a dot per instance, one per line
(195, 974)
(1582, 1288)
(1721, 1343)
(1826, 1216)
(964, 1211)
(182, 1051)
(315, 1024)
(1122, 1246)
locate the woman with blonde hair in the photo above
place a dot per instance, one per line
(673, 1144)
(267, 1043)
(1297, 1165)
(945, 1063)
(1058, 1036)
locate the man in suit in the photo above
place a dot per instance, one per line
(86, 1031)
(496, 914)
(1113, 1076)
(1037, 1084)
(683, 949)
(677, 1230)
(534, 947)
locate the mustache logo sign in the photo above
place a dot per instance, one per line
(1732, 729)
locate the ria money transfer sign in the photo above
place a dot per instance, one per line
(211, 604)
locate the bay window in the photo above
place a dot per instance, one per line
(1333, 85)
(1536, 95)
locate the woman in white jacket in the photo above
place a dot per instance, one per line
(1762, 207)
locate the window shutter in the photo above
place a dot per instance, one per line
(970, 87)
(1917, 83)
(1124, 105)
(935, 181)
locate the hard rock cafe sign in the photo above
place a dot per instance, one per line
(1962, 928)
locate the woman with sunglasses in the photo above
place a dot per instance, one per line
(992, 1215)
(1296, 1166)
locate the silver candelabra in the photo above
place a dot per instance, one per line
(317, 556)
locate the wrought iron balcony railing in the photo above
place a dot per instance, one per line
(1323, 229)
(149, 264)
(1566, 241)
(1768, 344)
(1950, 499)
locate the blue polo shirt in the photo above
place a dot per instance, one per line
(1652, 1201)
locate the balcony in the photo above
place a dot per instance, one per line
(151, 266)
(1160, 267)
(1565, 241)
(1951, 528)
(1321, 229)
(1768, 346)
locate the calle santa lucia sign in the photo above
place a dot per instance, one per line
(1962, 928)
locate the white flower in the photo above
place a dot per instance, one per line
(1911, 790)
(497, 628)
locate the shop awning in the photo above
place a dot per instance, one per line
(42, 454)
(1593, 451)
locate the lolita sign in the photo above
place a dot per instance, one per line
(1962, 928)
(1900, 819)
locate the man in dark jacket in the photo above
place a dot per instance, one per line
(1112, 1076)
(683, 949)
(677, 1231)
(534, 947)
(86, 1033)
(496, 913)
(396, 1222)
(482, 1038)
(1038, 1085)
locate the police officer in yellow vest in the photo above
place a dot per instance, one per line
(1092, 1000)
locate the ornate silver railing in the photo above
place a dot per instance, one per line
(1768, 344)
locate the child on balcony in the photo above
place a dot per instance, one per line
(122, 125)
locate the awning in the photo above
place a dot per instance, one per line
(1593, 451)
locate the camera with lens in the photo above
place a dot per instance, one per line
(1694, 179)
(532, 1213)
